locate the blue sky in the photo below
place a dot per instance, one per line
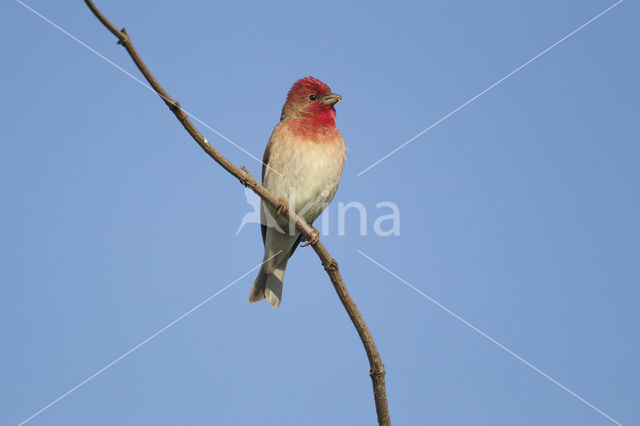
(519, 213)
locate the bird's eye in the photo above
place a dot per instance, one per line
(313, 97)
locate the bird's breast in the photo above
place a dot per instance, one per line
(304, 171)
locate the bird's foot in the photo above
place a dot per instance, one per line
(282, 207)
(315, 236)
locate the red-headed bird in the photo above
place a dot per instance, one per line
(302, 166)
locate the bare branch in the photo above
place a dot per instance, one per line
(376, 372)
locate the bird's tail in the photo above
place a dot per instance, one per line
(269, 285)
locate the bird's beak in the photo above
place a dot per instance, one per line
(331, 99)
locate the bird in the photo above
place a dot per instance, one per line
(301, 167)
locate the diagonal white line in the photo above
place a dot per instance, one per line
(144, 84)
(489, 88)
(136, 347)
(485, 335)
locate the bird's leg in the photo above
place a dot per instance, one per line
(281, 207)
(315, 236)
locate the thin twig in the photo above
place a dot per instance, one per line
(376, 372)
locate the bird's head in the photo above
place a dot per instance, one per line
(310, 98)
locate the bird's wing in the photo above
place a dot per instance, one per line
(266, 155)
(263, 227)
(265, 161)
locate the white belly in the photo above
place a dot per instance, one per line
(309, 174)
